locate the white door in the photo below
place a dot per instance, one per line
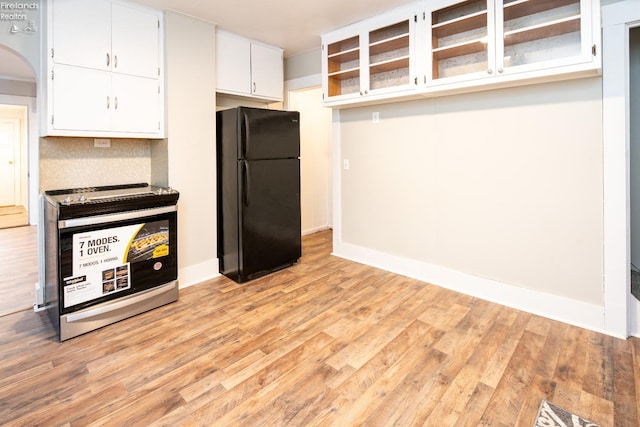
(82, 99)
(135, 42)
(233, 63)
(9, 140)
(82, 33)
(315, 159)
(136, 104)
(266, 71)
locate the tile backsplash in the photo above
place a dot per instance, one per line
(76, 162)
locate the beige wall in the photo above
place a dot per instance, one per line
(17, 88)
(305, 64)
(191, 137)
(504, 184)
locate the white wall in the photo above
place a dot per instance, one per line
(191, 137)
(503, 185)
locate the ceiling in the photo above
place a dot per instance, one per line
(294, 25)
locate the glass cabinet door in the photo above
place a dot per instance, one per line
(536, 31)
(462, 40)
(390, 56)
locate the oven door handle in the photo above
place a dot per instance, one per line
(105, 219)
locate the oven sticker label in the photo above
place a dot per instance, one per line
(99, 249)
(95, 284)
(102, 259)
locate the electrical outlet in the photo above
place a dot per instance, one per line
(375, 117)
(345, 164)
(102, 143)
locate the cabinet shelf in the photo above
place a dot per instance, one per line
(519, 8)
(460, 25)
(345, 74)
(390, 65)
(389, 45)
(345, 56)
(537, 32)
(460, 49)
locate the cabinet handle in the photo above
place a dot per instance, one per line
(254, 87)
(108, 59)
(115, 61)
(415, 81)
(115, 102)
(500, 70)
(108, 102)
(361, 93)
(366, 92)
(490, 71)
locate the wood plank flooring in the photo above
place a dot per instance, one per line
(18, 268)
(13, 216)
(326, 342)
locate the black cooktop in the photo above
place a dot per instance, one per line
(89, 201)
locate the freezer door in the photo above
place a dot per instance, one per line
(268, 134)
(270, 211)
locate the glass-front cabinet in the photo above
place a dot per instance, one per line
(371, 61)
(543, 33)
(435, 47)
(462, 40)
(487, 38)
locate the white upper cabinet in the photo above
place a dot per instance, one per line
(135, 42)
(248, 68)
(81, 33)
(233, 63)
(453, 46)
(103, 70)
(267, 79)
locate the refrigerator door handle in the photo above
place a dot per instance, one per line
(245, 183)
(244, 136)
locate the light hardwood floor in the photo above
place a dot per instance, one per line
(326, 342)
(18, 268)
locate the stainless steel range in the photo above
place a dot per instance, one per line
(111, 252)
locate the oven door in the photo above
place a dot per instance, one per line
(106, 257)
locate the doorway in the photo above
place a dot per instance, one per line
(19, 183)
(13, 166)
(622, 309)
(315, 158)
(634, 158)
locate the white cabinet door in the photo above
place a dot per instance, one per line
(135, 41)
(81, 99)
(136, 104)
(82, 33)
(266, 71)
(233, 63)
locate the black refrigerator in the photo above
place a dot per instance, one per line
(258, 191)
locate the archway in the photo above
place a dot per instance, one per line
(19, 166)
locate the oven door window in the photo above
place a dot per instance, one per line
(108, 261)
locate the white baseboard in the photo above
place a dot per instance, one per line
(634, 317)
(194, 274)
(315, 230)
(554, 307)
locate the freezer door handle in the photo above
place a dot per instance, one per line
(245, 183)
(244, 136)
